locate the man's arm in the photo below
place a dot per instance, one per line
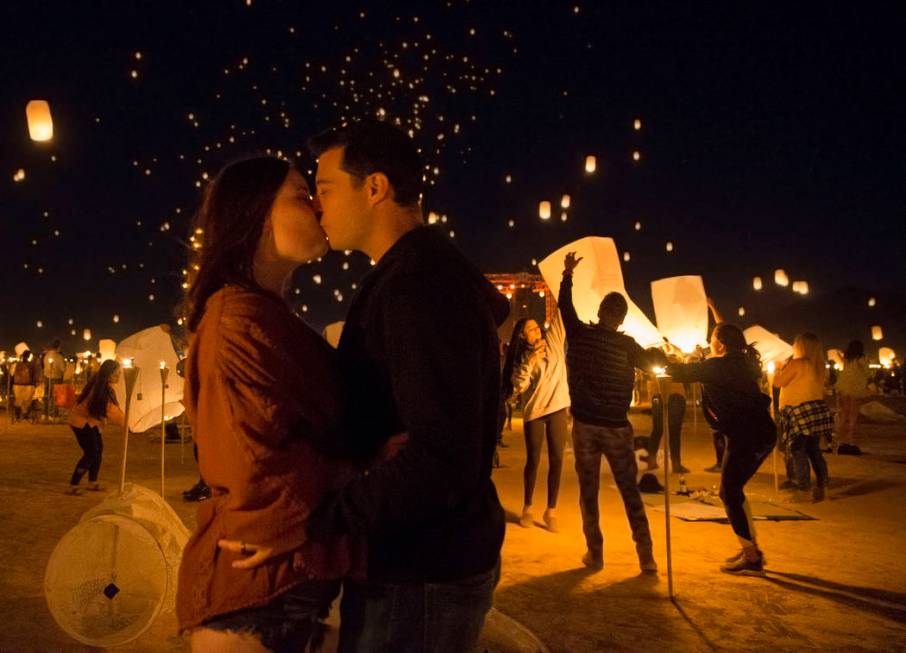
(435, 346)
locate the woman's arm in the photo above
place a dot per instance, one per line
(785, 375)
(522, 373)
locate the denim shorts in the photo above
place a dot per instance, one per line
(289, 622)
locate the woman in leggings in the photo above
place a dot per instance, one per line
(535, 368)
(95, 406)
(731, 396)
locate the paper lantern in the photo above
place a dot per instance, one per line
(40, 123)
(626, 256)
(563, 216)
(756, 283)
(544, 210)
(803, 287)
(769, 345)
(598, 274)
(591, 164)
(86, 334)
(638, 226)
(681, 310)
(669, 246)
(21, 348)
(637, 124)
(19, 175)
(877, 333)
(146, 349)
(564, 202)
(636, 155)
(107, 350)
(886, 356)
(780, 277)
(742, 311)
(872, 302)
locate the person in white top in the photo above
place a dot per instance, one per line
(852, 388)
(536, 370)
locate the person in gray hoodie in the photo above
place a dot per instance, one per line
(536, 370)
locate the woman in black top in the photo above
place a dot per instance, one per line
(732, 399)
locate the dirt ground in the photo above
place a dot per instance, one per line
(837, 583)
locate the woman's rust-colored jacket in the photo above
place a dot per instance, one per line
(263, 398)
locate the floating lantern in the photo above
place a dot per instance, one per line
(563, 216)
(669, 246)
(636, 155)
(780, 277)
(39, 324)
(19, 175)
(626, 256)
(544, 210)
(637, 124)
(564, 202)
(742, 311)
(756, 283)
(681, 309)
(591, 164)
(86, 334)
(40, 122)
(871, 302)
(107, 350)
(116, 319)
(886, 356)
(802, 287)
(638, 226)
(877, 333)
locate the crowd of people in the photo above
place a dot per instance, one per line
(369, 466)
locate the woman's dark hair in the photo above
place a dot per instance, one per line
(731, 337)
(518, 346)
(98, 392)
(854, 350)
(372, 146)
(227, 228)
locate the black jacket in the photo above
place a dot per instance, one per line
(419, 353)
(600, 365)
(731, 397)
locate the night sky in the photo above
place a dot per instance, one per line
(770, 137)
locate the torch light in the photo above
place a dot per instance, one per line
(130, 375)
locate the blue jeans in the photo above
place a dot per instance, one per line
(290, 622)
(410, 618)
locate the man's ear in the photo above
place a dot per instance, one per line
(379, 188)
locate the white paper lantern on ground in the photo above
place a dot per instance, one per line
(544, 210)
(781, 278)
(877, 333)
(40, 122)
(591, 164)
(756, 283)
(886, 356)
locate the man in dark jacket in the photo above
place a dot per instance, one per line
(601, 366)
(419, 352)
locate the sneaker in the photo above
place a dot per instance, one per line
(526, 520)
(75, 491)
(647, 564)
(593, 560)
(551, 522)
(679, 469)
(819, 494)
(745, 567)
(741, 554)
(716, 469)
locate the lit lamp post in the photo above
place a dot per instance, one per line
(663, 385)
(130, 375)
(164, 372)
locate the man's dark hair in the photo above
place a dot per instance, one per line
(613, 308)
(372, 146)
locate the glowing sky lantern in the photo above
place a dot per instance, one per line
(19, 175)
(591, 164)
(626, 256)
(756, 283)
(886, 356)
(681, 310)
(636, 155)
(564, 202)
(86, 334)
(638, 226)
(598, 274)
(40, 123)
(146, 349)
(872, 302)
(803, 288)
(544, 210)
(769, 345)
(780, 277)
(877, 333)
(669, 246)
(741, 311)
(637, 124)
(107, 350)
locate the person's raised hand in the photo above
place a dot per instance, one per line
(570, 262)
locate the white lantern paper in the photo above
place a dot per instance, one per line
(886, 356)
(756, 283)
(21, 348)
(591, 164)
(741, 311)
(107, 349)
(877, 333)
(598, 274)
(771, 347)
(669, 246)
(681, 310)
(86, 334)
(147, 349)
(40, 123)
(544, 210)
(872, 302)
(564, 202)
(780, 278)
(626, 256)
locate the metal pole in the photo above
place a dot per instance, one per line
(663, 382)
(163, 420)
(773, 417)
(130, 374)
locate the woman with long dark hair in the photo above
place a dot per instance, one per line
(852, 388)
(95, 405)
(262, 396)
(535, 370)
(732, 398)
